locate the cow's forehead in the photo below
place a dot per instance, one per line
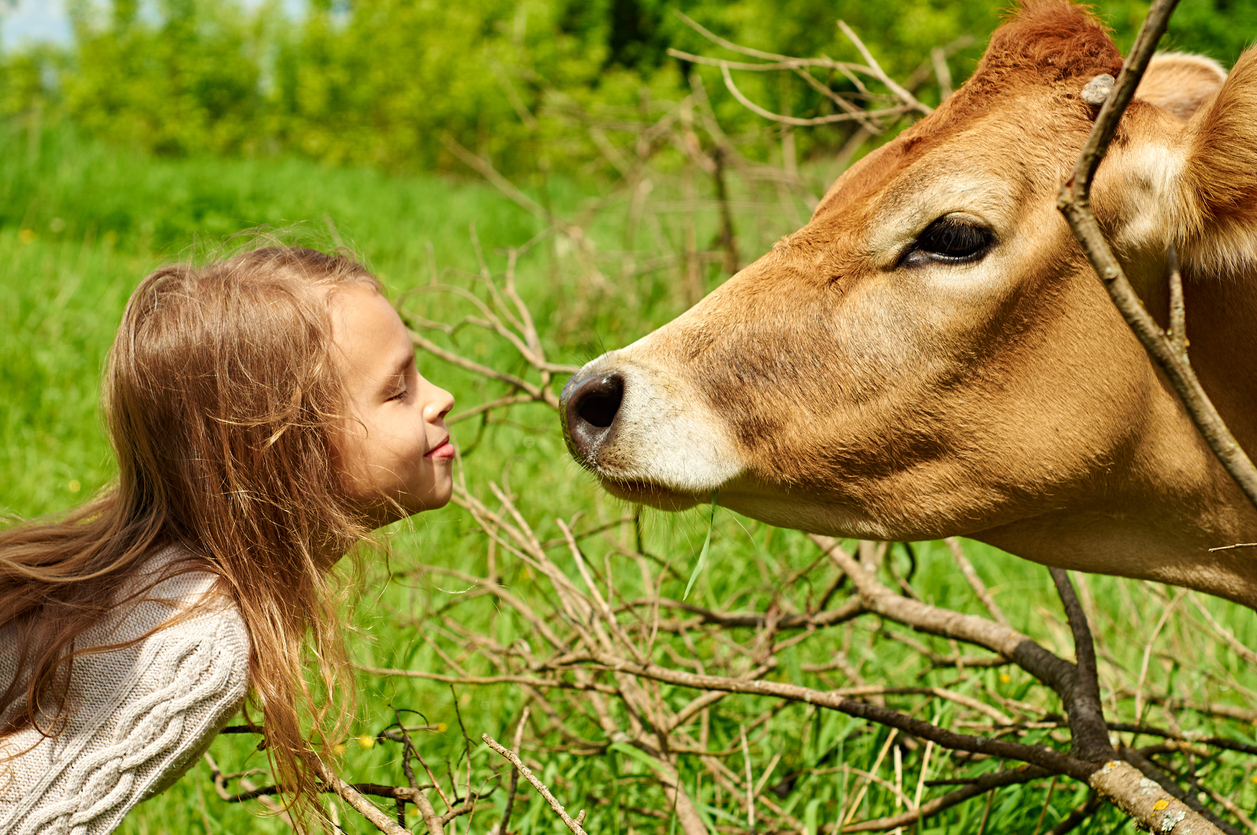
(1018, 118)
(1024, 147)
(993, 166)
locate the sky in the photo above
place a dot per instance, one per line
(46, 20)
(33, 20)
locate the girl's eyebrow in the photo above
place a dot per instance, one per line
(399, 370)
(404, 366)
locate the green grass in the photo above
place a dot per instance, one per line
(81, 223)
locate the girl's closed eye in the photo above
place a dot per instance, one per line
(404, 381)
(386, 453)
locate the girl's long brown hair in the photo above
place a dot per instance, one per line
(223, 402)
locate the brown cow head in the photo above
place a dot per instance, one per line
(932, 354)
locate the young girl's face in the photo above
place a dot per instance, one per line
(394, 447)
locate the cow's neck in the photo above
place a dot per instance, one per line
(1160, 520)
(1222, 329)
(1221, 335)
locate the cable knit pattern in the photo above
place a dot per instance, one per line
(141, 716)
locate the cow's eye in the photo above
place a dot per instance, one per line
(949, 241)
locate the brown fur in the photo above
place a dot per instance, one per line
(1180, 83)
(1046, 42)
(833, 387)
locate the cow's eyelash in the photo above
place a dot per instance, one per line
(948, 240)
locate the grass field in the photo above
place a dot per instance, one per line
(81, 223)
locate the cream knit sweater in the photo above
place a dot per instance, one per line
(140, 717)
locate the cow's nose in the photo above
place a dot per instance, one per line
(589, 411)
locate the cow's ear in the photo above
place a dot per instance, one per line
(1180, 83)
(1218, 184)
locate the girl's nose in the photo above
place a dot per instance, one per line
(439, 404)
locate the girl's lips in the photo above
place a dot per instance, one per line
(442, 450)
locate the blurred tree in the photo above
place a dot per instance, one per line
(187, 83)
(379, 82)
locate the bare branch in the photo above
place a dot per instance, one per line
(975, 582)
(1141, 799)
(510, 379)
(904, 96)
(430, 818)
(486, 170)
(540, 683)
(1178, 313)
(517, 746)
(537, 784)
(1034, 754)
(251, 790)
(1090, 736)
(795, 120)
(359, 803)
(1234, 643)
(1155, 775)
(981, 785)
(1056, 672)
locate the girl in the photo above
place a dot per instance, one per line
(266, 414)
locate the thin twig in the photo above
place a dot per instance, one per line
(975, 582)
(516, 746)
(750, 783)
(360, 804)
(491, 174)
(1038, 755)
(981, 785)
(1053, 671)
(537, 784)
(795, 120)
(1234, 643)
(1147, 656)
(881, 75)
(220, 787)
(1178, 312)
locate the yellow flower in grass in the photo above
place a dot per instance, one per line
(366, 741)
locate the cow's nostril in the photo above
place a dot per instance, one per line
(599, 406)
(590, 410)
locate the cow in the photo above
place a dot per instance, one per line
(933, 355)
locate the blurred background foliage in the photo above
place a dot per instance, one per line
(164, 126)
(380, 82)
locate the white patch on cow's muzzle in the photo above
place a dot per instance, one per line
(666, 433)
